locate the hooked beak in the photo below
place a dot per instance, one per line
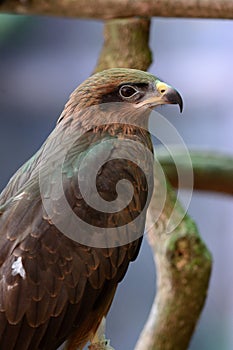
(164, 94)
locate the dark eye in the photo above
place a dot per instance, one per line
(127, 91)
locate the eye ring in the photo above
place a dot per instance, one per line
(127, 91)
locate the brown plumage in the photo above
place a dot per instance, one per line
(52, 286)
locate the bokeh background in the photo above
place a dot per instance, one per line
(43, 59)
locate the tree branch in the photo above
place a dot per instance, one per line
(182, 260)
(212, 171)
(107, 9)
(127, 41)
(183, 270)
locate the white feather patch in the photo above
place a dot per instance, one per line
(17, 268)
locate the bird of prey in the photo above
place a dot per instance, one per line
(58, 275)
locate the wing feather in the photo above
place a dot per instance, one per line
(67, 287)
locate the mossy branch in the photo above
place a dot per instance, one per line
(183, 266)
(127, 41)
(213, 171)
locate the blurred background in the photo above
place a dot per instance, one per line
(43, 59)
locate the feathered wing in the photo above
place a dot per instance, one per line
(51, 287)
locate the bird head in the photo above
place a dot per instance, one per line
(128, 85)
(138, 89)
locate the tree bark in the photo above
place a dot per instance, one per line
(107, 9)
